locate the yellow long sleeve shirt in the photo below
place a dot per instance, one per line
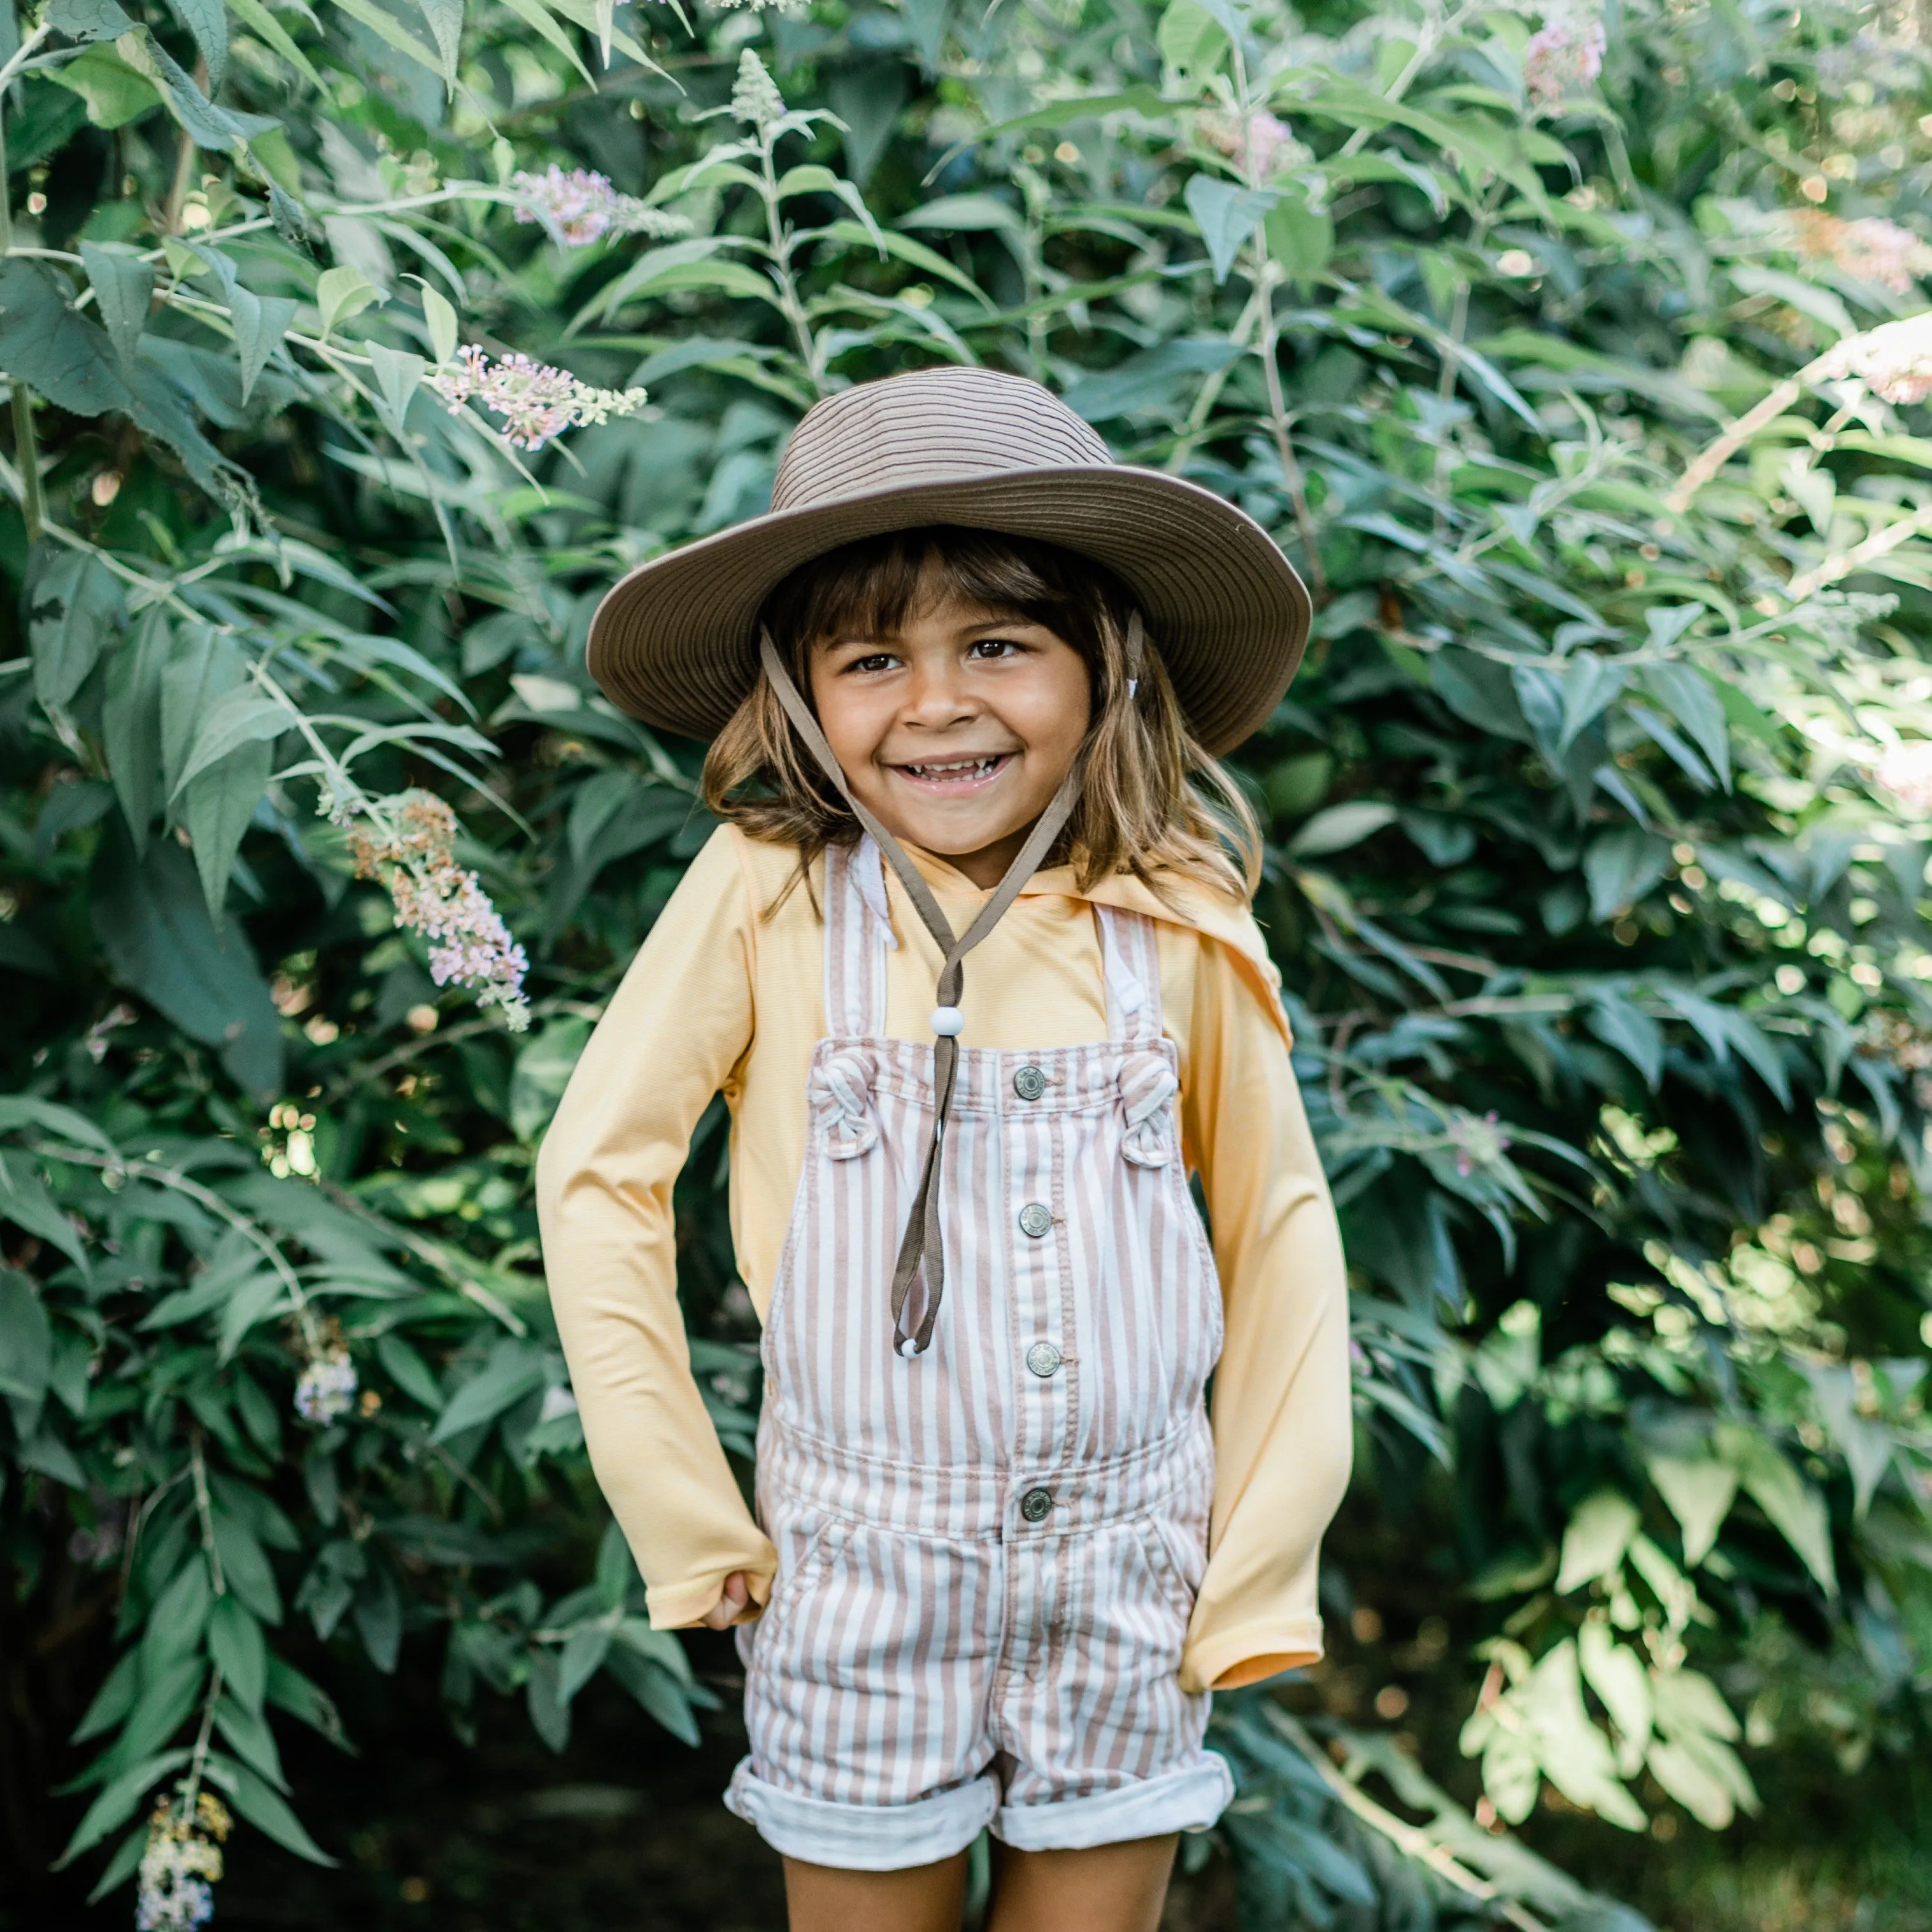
(726, 994)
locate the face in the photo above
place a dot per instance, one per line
(956, 732)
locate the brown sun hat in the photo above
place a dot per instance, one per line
(675, 643)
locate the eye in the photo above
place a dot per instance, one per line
(996, 647)
(872, 662)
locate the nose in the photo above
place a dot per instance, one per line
(939, 697)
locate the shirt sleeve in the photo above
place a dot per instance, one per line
(1281, 1410)
(681, 1021)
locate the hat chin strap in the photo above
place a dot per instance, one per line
(921, 1247)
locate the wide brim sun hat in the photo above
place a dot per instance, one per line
(675, 643)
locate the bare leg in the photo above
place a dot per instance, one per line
(923, 1898)
(1109, 1888)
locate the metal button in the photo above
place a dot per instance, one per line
(1036, 1219)
(1043, 1359)
(1035, 1505)
(1029, 1083)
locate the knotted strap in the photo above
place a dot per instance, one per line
(840, 1096)
(921, 1247)
(1147, 1085)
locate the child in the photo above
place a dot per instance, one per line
(962, 686)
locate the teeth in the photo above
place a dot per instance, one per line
(957, 769)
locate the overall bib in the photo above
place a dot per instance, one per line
(988, 1552)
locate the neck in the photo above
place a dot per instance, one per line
(989, 865)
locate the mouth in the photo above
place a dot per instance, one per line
(955, 776)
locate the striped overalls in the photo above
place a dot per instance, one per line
(988, 1553)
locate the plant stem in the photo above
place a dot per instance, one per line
(26, 446)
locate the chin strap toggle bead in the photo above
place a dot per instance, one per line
(948, 1022)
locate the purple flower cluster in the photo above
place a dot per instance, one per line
(326, 1388)
(179, 1865)
(1562, 58)
(470, 946)
(579, 207)
(536, 400)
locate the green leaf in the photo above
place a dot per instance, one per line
(660, 1693)
(114, 93)
(216, 129)
(241, 717)
(1591, 684)
(264, 1808)
(263, 25)
(207, 22)
(398, 375)
(581, 1657)
(1617, 1674)
(549, 1714)
(1574, 1755)
(534, 14)
(1191, 41)
(386, 27)
(904, 248)
(1160, 378)
(615, 1569)
(1227, 216)
(542, 1071)
(1689, 699)
(124, 289)
(409, 1372)
(122, 1866)
(445, 26)
(441, 319)
(239, 1650)
(26, 1338)
(1795, 1509)
(342, 292)
(152, 921)
(75, 607)
(1594, 1542)
(27, 1203)
(1699, 1493)
(119, 1802)
(87, 19)
(1339, 827)
(513, 1370)
(245, 1568)
(1620, 867)
(248, 1731)
(113, 1700)
(130, 721)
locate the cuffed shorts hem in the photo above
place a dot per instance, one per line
(1190, 1799)
(865, 1837)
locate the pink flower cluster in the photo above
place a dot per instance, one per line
(1265, 144)
(1893, 361)
(579, 207)
(1478, 1143)
(1871, 249)
(1562, 58)
(1905, 770)
(536, 400)
(470, 946)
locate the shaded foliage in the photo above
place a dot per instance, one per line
(1579, 373)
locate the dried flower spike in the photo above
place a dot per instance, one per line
(1869, 250)
(1893, 361)
(180, 1865)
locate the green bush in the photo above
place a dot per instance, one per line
(1582, 381)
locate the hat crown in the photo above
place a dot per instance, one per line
(944, 425)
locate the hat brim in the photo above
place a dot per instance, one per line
(673, 643)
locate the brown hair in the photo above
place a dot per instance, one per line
(1153, 801)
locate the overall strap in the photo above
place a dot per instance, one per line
(858, 935)
(1130, 964)
(922, 1248)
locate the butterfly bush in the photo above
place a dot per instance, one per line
(579, 207)
(326, 1390)
(1905, 770)
(414, 857)
(180, 1864)
(1869, 250)
(1562, 58)
(1894, 361)
(1265, 144)
(536, 401)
